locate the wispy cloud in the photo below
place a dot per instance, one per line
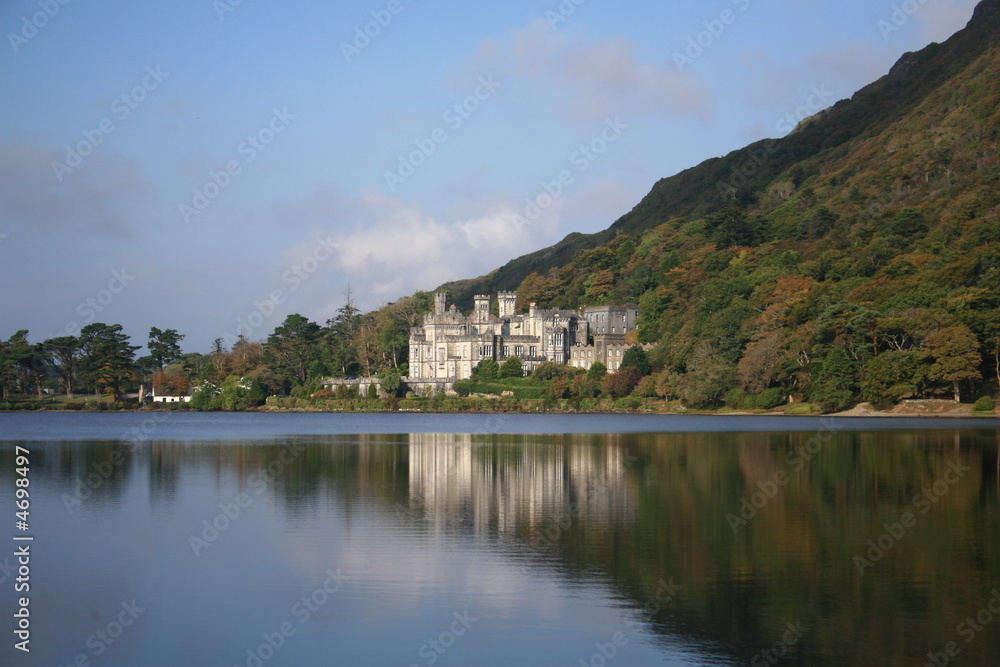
(588, 80)
(98, 198)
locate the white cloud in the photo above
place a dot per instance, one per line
(405, 249)
(589, 80)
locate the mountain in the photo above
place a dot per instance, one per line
(856, 258)
(920, 85)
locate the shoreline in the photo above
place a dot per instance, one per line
(914, 409)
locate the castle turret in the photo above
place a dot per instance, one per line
(481, 310)
(508, 303)
(440, 301)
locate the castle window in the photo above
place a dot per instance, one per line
(533, 352)
(518, 350)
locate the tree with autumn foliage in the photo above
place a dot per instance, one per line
(956, 358)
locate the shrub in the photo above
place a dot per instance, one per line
(736, 399)
(771, 398)
(984, 404)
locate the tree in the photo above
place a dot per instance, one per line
(731, 227)
(835, 384)
(487, 369)
(292, 347)
(107, 357)
(636, 357)
(164, 346)
(597, 371)
(908, 223)
(172, 381)
(239, 393)
(817, 223)
(8, 374)
(511, 368)
(391, 382)
(890, 376)
(755, 370)
(341, 331)
(707, 385)
(63, 353)
(955, 352)
(549, 370)
(621, 383)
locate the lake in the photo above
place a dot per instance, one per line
(260, 540)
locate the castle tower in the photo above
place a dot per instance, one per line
(481, 311)
(508, 303)
(440, 301)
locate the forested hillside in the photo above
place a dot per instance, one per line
(857, 257)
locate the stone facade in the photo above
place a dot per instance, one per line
(449, 344)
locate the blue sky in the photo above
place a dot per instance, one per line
(213, 166)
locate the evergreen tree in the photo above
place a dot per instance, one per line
(107, 357)
(636, 357)
(511, 368)
(835, 385)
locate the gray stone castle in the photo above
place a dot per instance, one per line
(450, 344)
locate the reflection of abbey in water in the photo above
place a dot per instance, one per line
(455, 474)
(449, 344)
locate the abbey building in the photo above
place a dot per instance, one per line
(449, 344)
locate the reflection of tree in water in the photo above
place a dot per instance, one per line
(165, 460)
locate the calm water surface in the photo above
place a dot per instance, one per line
(260, 540)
